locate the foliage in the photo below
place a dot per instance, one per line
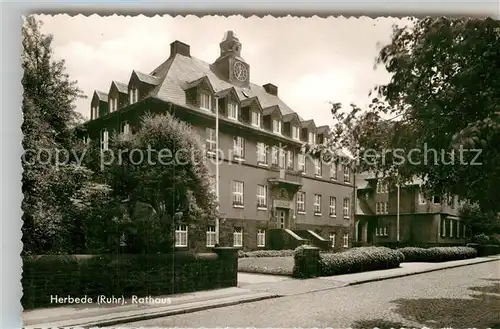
(146, 275)
(437, 254)
(479, 221)
(267, 265)
(359, 260)
(306, 262)
(266, 253)
(443, 96)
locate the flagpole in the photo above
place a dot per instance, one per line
(217, 167)
(397, 213)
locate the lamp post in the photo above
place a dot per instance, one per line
(397, 215)
(217, 167)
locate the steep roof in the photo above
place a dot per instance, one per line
(146, 78)
(122, 87)
(101, 95)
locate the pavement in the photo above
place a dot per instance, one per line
(251, 288)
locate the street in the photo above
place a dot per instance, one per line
(463, 297)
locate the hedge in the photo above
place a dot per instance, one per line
(266, 253)
(306, 262)
(485, 250)
(437, 254)
(123, 275)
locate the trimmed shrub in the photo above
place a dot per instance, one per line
(267, 265)
(359, 260)
(306, 262)
(266, 253)
(122, 275)
(437, 254)
(485, 250)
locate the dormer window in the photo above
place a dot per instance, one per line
(133, 95)
(295, 133)
(255, 119)
(205, 101)
(276, 126)
(312, 138)
(113, 104)
(95, 112)
(232, 111)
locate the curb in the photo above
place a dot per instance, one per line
(415, 273)
(142, 317)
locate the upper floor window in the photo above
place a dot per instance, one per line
(289, 159)
(312, 138)
(347, 205)
(239, 147)
(281, 158)
(113, 104)
(277, 126)
(95, 112)
(347, 174)
(232, 111)
(317, 167)
(333, 171)
(205, 101)
(381, 208)
(382, 187)
(255, 119)
(133, 95)
(211, 143)
(295, 133)
(237, 193)
(181, 236)
(302, 162)
(261, 153)
(301, 202)
(274, 155)
(317, 204)
(261, 196)
(333, 206)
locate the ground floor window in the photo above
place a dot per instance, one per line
(261, 238)
(238, 237)
(346, 240)
(181, 236)
(211, 236)
(332, 240)
(381, 231)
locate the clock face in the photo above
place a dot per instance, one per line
(240, 71)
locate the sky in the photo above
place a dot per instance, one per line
(313, 61)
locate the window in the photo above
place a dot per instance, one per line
(211, 236)
(232, 111)
(347, 175)
(301, 202)
(333, 171)
(255, 119)
(333, 206)
(104, 139)
(211, 143)
(345, 211)
(113, 104)
(86, 139)
(205, 101)
(274, 155)
(261, 154)
(277, 126)
(302, 162)
(261, 238)
(295, 133)
(95, 112)
(289, 159)
(346, 240)
(133, 95)
(181, 236)
(332, 240)
(281, 158)
(317, 167)
(317, 204)
(421, 198)
(382, 187)
(261, 196)
(238, 237)
(381, 231)
(237, 194)
(381, 207)
(238, 148)
(312, 138)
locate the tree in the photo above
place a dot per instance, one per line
(49, 116)
(478, 221)
(444, 108)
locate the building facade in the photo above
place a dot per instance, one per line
(422, 221)
(271, 195)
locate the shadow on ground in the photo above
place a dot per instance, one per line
(481, 310)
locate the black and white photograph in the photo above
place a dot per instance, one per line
(265, 172)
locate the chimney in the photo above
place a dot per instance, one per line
(271, 89)
(180, 48)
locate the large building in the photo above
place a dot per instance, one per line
(422, 221)
(270, 194)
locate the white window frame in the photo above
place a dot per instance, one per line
(232, 111)
(318, 172)
(382, 187)
(261, 237)
(211, 143)
(211, 236)
(238, 147)
(104, 139)
(95, 112)
(333, 206)
(276, 126)
(317, 204)
(274, 155)
(281, 158)
(302, 162)
(255, 119)
(345, 208)
(238, 237)
(238, 189)
(289, 159)
(385, 231)
(181, 231)
(312, 138)
(333, 171)
(133, 95)
(113, 104)
(262, 197)
(295, 133)
(204, 99)
(347, 174)
(301, 202)
(346, 240)
(332, 240)
(262, 154)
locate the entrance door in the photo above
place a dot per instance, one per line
(282, 218)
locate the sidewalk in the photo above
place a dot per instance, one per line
(251, 287)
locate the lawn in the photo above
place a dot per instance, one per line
(266, 265)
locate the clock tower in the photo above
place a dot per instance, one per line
(230, 66)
